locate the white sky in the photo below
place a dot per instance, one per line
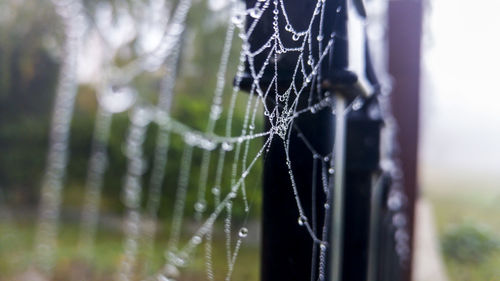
(460, 92)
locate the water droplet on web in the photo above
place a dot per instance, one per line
(227, 146)
(215, 112)
(117, 99)
(326, 158)
(191, 139)
(176, 259)
(319, 37)
(162, 277)
(331, 171)
(339, 9)
(179, 261)
(288, 27)
(295, 37)
(200, 206)
(238, 19)
(171, 270)
(395, 201)
(208, 144)
(357, 104)
(327, 206)
(141, 115)
(216, 190)
(323, 246)
(399, 220)
(302, 220)
(255, 13)
(243, 232)
(196, 240)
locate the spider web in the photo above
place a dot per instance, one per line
(279, 94)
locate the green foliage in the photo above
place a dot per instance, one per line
(16, 256)
(469, 243)
(28, 76)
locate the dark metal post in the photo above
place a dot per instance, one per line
(287, 247)
(405, 28)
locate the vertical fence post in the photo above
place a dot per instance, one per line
(288, 250)
(405, 28)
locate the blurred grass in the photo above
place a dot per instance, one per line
(16, 256)
(457, 202)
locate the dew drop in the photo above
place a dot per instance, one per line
(255, 13)
(227, 146)
(162, 277)
(117, 99)
(326, 158)
(288, 27)
(215, 112)
(399, 220)
(208, 144)
(200, 206)
(216, 190)
(395, 202)
(302, 220)
(331, 171)
(339, 9)
(238, 19)
(179, 261)
(141, 115)
(171, 271)
(295, 37)
(243, 232)
(357, 104)
(196, 240)
(319, 37)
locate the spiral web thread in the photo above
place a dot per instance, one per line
(140, 224)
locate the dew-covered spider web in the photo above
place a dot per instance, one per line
(201, 180)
